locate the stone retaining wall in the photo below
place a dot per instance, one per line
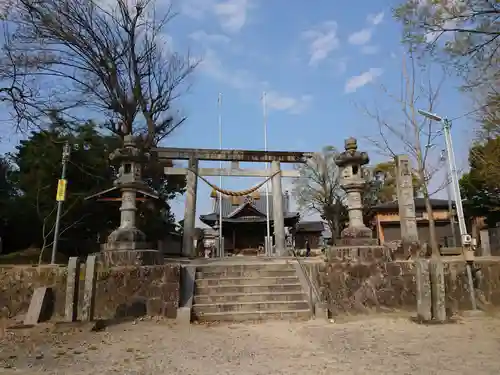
(137, 291)
(17, 284)
(362, 287)
(120, 292)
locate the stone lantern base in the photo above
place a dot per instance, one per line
(357, 236)
(127, 247)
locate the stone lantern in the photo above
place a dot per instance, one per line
(351, 163)
(127, 244)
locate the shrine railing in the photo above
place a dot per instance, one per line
(313, 291)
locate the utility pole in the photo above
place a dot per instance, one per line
(60, 197)
(450, 204)
(466, 240)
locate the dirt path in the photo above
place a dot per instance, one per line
(370, 346)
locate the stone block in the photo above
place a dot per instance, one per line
(321, 311)
(72, 281)
(170, 310)
(41, 307)
(423, 287)
(155, 307)
(436, 270)
(90, 289)
(184, 315)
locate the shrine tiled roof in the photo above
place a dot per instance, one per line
(259, 204)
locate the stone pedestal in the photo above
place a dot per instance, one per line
(136, 257)
(360, 253)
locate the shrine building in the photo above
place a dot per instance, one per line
(244, 221)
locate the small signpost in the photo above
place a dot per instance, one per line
(61, 190)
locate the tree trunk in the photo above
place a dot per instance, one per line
(333, 230)
(432, 224)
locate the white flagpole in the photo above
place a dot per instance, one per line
(221, 238)
(264, 112)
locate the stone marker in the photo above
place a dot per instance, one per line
(423, 281)
(71, 302)
(89, 291)
(40, 307)
(406, 200)
(485, 243)
(436, 270)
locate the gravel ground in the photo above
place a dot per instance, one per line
(378, 345)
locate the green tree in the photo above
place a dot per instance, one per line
(38, 161)
(464, 34)
(480, 187)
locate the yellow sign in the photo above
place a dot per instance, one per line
(61, 190)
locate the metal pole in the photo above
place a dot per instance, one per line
(221, 237)
(458, 205)
(65, 157)
(451, 213)
(268, 224)
(444, 156)
(454, 178)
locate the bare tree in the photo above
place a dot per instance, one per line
(49, 223)
(110, 58)
(318, 189)
(413, 134)
(463, 34)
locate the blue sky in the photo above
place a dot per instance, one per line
(318, 61)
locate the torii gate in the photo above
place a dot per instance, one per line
(194, 155)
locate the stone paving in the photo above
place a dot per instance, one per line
(377, 345)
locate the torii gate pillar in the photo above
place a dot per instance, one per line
(188, 249)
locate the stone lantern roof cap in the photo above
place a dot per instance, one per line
(351, 155)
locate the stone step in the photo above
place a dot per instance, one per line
(230, 273)
(240, 316)
(250, 306)
(247, 281)
(245, 267)
(249, 297)
(247, 288)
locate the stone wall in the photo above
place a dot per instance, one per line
(137, 291)
(363, 287)
(17, 284)
(120, 292)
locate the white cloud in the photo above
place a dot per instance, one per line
(280, 102)
(363, 79)
(322, 41)
(244, 80)
(204, 37)
(375, 19)
(369, 50)
(232, 14)
(196, 8)
(238, 79)
(361, 37)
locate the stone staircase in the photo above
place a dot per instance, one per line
(239, 292)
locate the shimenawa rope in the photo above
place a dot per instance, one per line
(231, 193)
